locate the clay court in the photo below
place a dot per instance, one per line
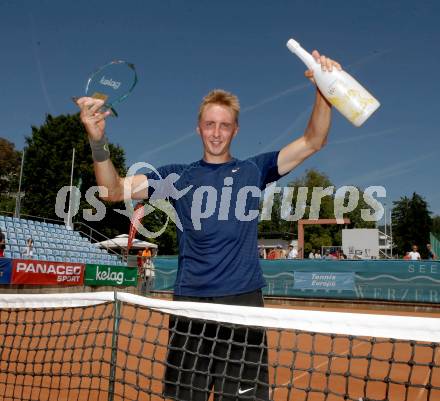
(65, 354)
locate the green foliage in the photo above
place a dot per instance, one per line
(10, 160)
(47, 169)
(436, 226)
(167, 241)
(315, 236)
(412, 224)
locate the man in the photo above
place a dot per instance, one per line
(327, 255)
(414, 254)
(148, 270)
(312, 254)
(218, 258)
(146, 255)
(29, 249)
(293, 253)
(431, 254)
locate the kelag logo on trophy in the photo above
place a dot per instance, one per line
(112, 83)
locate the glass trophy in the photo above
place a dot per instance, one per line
(112, 83)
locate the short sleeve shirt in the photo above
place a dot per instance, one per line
(217, 209)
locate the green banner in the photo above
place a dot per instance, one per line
(110, 275)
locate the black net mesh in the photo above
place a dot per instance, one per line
(124, 351)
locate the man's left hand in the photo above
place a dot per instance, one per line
(327, 64)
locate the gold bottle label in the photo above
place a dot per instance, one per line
(350, 102)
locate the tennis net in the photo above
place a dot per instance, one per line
(118, 346)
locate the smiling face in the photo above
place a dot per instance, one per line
(217, 126)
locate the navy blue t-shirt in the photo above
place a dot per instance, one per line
(217, 207)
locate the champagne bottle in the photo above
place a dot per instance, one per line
(350, 98)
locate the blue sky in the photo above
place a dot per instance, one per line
(183, 49)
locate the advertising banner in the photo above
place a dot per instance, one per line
(388, 280)
(323, 281)
(110, 275)
(40, 272)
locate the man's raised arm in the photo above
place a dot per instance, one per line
(116, 188)
(315, 135)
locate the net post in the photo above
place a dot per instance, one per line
(115, 335)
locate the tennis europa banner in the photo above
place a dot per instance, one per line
(110, 275)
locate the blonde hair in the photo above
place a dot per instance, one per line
(223, 98)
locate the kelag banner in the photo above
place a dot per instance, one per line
(110, 275)
(5, 270)
(389, 280)
(41, 272)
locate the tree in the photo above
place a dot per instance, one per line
(436, 226)
(412, 223)
(315, 236)
(9, 174)
(167, 241)
(47, 169)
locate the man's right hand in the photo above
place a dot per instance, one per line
(91, 116)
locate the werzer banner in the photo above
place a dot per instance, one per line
(40, 272)
(110, 275)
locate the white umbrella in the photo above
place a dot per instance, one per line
(121, 241)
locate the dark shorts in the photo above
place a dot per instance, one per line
(229, 359)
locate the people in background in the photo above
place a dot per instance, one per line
(414, 254)
(407, 256)
(312, 254)
(139, 259)
(148, 268)
(431, 254)
(29, 249)
(327, 255)
(140, 266)
(146, 255)
(2, 244)
(318, 254)
(282, 253)
(272, 254)
(293, 252)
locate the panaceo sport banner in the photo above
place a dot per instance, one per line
(41, 272)
(110, 275)
(5, 270)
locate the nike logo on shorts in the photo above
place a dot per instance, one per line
(240, 391)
